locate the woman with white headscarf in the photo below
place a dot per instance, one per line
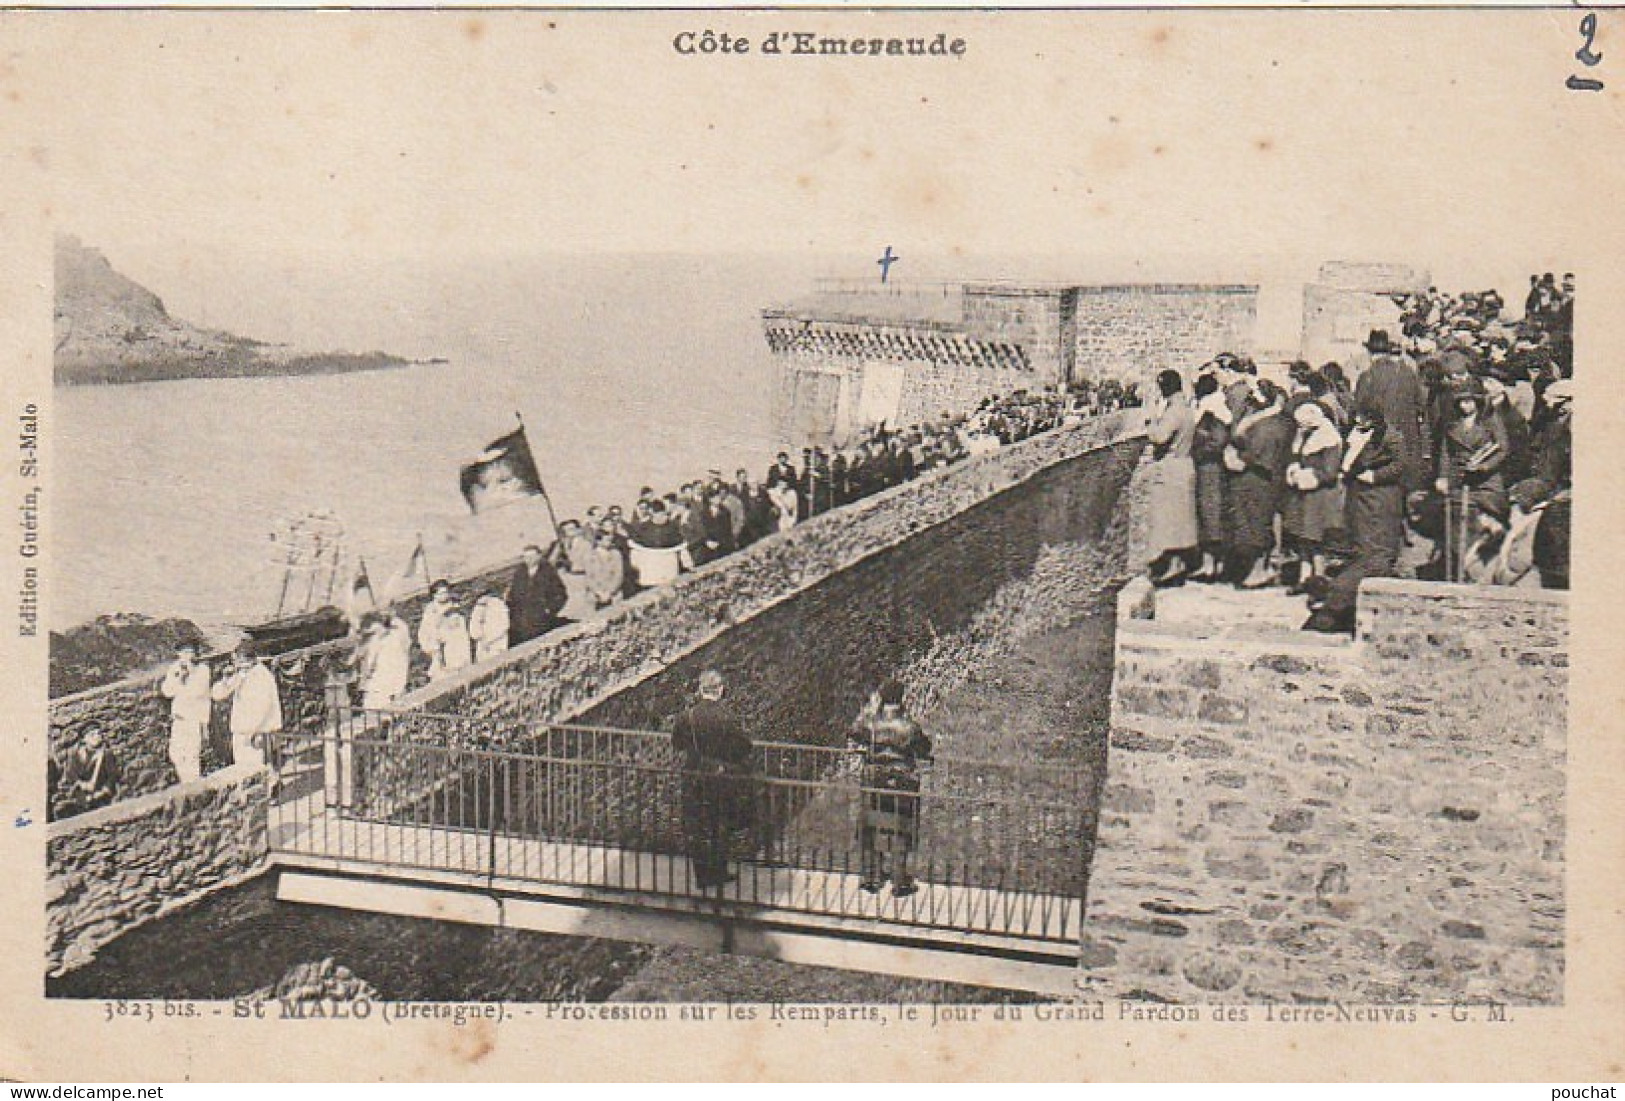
(1314, 500)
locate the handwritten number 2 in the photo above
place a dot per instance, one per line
(1588, 27)
(1586, 56)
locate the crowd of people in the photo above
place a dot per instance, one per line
(618, 552)
(1454, 440)
(615, 553)
(89, 774)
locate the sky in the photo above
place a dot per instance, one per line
(261, 170)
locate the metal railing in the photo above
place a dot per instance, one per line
(991, 847)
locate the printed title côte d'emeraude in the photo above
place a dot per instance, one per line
(811, 44)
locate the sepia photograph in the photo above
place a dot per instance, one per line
(881, 540)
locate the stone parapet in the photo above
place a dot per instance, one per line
(121, 866)
(1379, 820)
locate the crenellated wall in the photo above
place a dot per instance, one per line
(1291, 818)
(849, 359)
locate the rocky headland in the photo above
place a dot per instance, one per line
(110, 329)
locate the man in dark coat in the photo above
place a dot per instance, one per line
(695, 528)
(1375, 513)
(719, 525)
(1550, 485)
(804, 486)
(816, 483)
(859, 475)
(536, 596)
(718, 804)
(1394, 390)
(902, 461)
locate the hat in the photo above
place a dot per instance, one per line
(1309, 412)
(1561, 390)
(1378, 343)
(1456, 361)
(1526, 494)
(1470, 387)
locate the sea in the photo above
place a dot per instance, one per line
(174, 498)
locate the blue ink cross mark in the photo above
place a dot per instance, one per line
(886, 262)
(22, 821)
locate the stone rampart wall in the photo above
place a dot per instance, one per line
(1020, 561)
(1369, 821)
(1132, 332)
(118, 867)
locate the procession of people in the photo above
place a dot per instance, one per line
(1445, 454)
(613, 553)
(618, 553)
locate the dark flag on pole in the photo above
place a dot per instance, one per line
(362, 598)
(504, 473)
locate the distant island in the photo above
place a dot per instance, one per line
(110, 329)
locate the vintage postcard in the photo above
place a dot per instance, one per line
(761, 544)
